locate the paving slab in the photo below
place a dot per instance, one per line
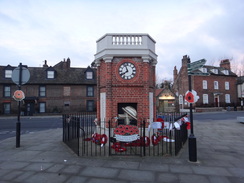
(220, 150)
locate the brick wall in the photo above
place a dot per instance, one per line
(119, 90)
(181, 85)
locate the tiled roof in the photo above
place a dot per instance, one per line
(63, 76)
(210, 70)
(158, 91)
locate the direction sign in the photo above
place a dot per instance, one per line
(196, 65)
(24, 78)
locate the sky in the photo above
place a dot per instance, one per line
(32, 31)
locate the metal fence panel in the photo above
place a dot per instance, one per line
(87, 137)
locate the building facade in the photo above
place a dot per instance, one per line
(217, 89)
(240, 90)
(165, 99)
(56, 89)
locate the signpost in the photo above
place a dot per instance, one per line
(195, 65)
(20, 76)
(192, 139)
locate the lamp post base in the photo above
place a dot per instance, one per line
(192, 148)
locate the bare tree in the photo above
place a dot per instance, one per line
(238, 68)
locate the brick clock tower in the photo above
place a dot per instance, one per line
(125, 78)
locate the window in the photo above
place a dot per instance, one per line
(90, 91)
(204, 84)
(216, 85)
(203, 69)
(226, 72)
(42, 107)
(227, 85)
(67, 103)
(50, 74)
(89, 75)
(90, 105)
(8, 73)
(7, 91)
(227, 98)
(6, 108)
(205, 98)
(67, 91)
(215, 71)
(42, 91)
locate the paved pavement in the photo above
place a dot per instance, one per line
(43, 158)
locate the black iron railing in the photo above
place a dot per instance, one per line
(88, 137)
(71, 132)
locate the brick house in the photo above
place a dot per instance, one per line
(56, 89)
(216, 90)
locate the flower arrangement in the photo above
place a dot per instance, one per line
(126, 130)
(126, 133)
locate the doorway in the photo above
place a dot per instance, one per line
(216, 100)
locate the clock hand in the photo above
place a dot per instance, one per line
(125, 71)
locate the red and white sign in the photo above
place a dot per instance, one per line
(19, 95)
(191, 97)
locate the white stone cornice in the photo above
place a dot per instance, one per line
(107, 59)
(97, 63)
(154, 62)
(146, 59)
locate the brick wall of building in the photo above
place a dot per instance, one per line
(118, 90)
(216, 97)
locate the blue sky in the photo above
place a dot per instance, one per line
(32, 31)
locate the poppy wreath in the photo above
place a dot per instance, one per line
(145, 141)
(155, 140)
(99, 139)
(120, 149)
(104, 139)
(126, 130)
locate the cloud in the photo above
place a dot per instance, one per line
(32, 31)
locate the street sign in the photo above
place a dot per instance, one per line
(195, 65)
(16, 75)
(198, 74)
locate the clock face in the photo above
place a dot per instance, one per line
(127, 70)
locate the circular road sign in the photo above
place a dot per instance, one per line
(25, 75)
(19, 95)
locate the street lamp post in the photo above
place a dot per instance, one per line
(192, 139)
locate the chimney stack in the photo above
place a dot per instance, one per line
(225, 64)
(175, 73)
(45, 63)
